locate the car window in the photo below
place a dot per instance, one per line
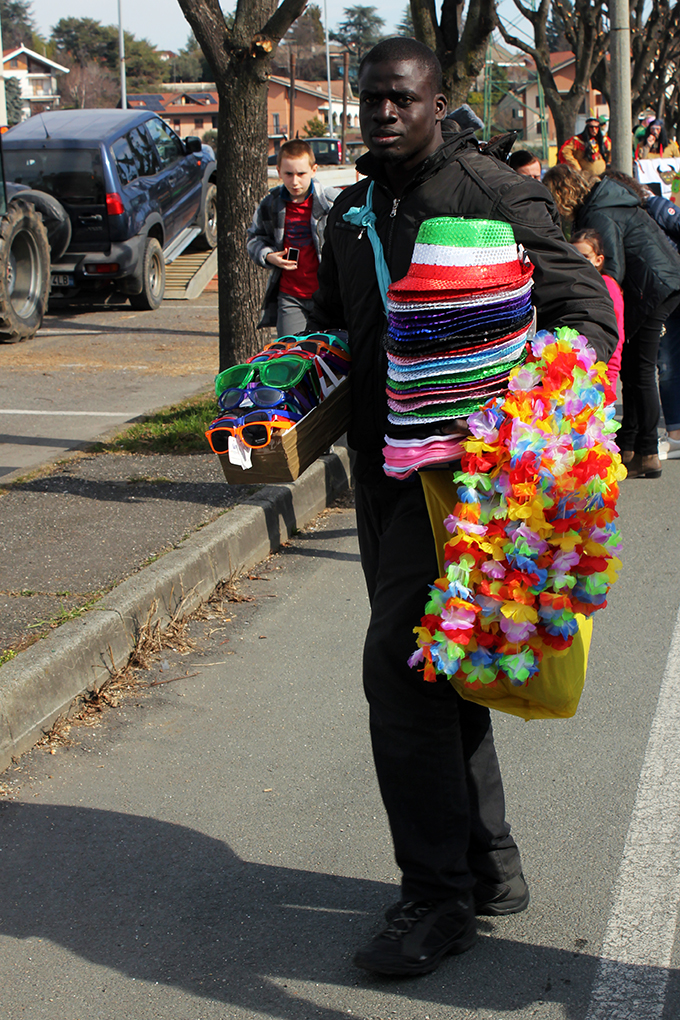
(144, 153)
(126, 163)
(168, 144)
(74, 176)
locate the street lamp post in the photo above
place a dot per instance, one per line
(345, 82)
(121, 57)
(328, 73)
(3, 101)
(620, 116)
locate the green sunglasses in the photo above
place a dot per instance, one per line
(282, 373)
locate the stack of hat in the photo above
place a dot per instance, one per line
(458, 323)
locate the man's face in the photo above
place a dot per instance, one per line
(296, 173)
(593, 127)
(531, 170)
(400, 112)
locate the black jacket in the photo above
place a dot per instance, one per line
(637, 252)
(456, 180)
(667, 215)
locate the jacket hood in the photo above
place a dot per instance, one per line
(609, 194)
(453, 141)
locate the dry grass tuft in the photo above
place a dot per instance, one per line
(152, 639)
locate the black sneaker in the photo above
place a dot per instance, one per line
(497, 900)
(491, 899)
(419, 936)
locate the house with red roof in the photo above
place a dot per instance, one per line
(187, 113)
(37, 76)
(563, 66)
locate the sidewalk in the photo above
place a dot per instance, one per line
(87, 548)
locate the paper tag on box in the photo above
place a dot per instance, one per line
(239, 453)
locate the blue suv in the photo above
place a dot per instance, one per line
(134, 194)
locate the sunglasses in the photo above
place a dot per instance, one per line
(253, 429)
(281, 373)
(326, 363)
(330, 340)
(266, 396)
(314, 346)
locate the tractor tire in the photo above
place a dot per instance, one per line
(208, 219)
(24, 272)
(153, 279)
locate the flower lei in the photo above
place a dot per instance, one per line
(534, 539)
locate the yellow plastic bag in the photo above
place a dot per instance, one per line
(555, 691)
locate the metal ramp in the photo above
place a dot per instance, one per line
(189, 274)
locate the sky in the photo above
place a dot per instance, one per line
(164, 25)
(162, 21)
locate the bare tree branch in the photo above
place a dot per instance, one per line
(461, 53)
(425, 24)
(282, 18)
(585, 28)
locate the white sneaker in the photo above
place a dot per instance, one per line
(669, 449)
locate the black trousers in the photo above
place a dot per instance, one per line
(434, 752)
(639, 388)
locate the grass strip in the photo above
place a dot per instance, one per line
(179, 428)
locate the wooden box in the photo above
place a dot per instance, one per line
(290, 453)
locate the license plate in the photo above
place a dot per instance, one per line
(62, 280)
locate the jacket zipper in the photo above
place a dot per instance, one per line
(381, 357)
(390, 232)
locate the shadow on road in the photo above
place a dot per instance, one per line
(67, 319)
(159, 902)
(131, 328)
(40, 441)
(323, 552)
(215, 494)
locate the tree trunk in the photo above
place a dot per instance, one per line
(564, 115)
(240, 58)
(241, 186)
(584, 31)
(461, 54)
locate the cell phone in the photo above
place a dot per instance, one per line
(293, 254)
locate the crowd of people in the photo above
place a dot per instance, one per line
(617, 283)
(590, 151)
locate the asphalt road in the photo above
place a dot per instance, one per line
(87, 372)
(216, 847)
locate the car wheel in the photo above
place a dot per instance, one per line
(208, 221)
(153, 278)
(24, 272)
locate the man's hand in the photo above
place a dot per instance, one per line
(279, 260)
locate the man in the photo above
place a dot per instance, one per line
(434, 753)
(590, 152)
(290, 219)
(525, 163)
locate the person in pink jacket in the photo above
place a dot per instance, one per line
(589, 243)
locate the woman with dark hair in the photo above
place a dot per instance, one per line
(655, 144)
(644, 263)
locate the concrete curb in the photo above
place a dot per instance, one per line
(41, 683)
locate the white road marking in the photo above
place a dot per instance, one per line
(70, 414)
(69, 332)
(638, 943)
